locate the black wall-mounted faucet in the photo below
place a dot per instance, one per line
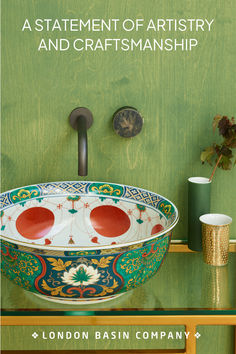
(81, 120)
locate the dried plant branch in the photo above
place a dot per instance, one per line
(224, 151)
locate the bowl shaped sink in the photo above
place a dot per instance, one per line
(80, 242)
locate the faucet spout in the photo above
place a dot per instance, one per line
(82, 146)
(81, 119)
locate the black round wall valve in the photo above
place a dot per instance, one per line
(127, 122)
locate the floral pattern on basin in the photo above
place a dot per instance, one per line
(85, 276)
(83, 241)
(81, 275)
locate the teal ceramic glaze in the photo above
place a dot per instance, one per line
(78, 242)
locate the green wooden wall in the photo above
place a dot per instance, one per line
(178, 94)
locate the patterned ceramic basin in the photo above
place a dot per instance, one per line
(80, 242)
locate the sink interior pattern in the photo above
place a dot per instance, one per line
(82, 214)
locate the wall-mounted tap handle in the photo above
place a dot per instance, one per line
(81, 120)
(127, 122)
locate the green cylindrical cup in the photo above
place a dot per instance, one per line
(199, 198)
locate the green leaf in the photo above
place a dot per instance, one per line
(225, 163)
(227, 129)
(216, 120)
(207, 154)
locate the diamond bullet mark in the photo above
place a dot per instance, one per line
(197, 335)
(35, 335)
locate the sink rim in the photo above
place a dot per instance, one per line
(89, 248)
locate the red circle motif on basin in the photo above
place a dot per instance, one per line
(35, 223)
(157, 228)
(109, 221)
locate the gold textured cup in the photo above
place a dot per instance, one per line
(215, 238)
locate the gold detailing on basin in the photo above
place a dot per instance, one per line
(106, 189)
(166, 208)
(24, 193)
